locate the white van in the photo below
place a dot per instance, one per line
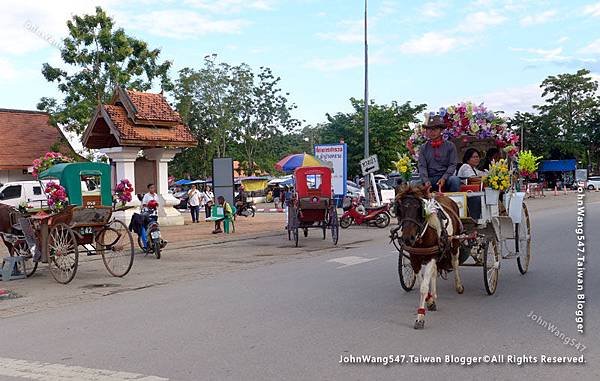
(31, 192)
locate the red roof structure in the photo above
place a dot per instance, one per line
(27, 135)
(137, 119)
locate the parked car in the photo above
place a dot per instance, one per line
(593, 183)
(18, 192)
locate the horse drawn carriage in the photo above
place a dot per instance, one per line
(85, 223)
(312, 206)
(494, 227)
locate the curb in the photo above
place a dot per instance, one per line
(270, 210)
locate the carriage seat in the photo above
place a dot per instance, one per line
(313, 202)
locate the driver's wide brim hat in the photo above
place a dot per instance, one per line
(434, 121)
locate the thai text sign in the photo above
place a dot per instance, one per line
(335, 157)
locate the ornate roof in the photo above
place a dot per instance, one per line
(137, 119)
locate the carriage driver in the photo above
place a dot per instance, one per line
(437, 158)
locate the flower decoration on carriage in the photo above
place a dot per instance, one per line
(123, 191)
(405, 166)
(57, 196)
(469, 119)
(24, 207)
(528, 163)
(47, 161)
(498, 176)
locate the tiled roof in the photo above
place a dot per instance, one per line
(178, 135)
(26, 135)
(151, 107)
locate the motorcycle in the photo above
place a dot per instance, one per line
(379, 216)
(246, 209)
(155, 243)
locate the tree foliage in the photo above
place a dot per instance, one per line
(233, 111)
(388, 131)
(567, 125)
(98, 57)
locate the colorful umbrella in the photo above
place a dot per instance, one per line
(291, 162)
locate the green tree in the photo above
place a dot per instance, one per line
(388, 131)
(261, 111)
(99, 58)
(569, 115)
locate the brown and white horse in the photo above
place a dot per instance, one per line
(426, 226)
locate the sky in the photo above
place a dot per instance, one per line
(433, 52)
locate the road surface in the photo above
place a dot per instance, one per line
(295, 319)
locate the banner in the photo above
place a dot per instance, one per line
(335, 156)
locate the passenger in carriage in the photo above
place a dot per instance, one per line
(438, 158)
(468, 168)
(493, 154)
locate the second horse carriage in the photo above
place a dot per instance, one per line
(313, 205)
(85, 224)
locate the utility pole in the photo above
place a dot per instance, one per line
(366, 101)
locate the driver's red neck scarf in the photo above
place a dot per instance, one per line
(436, 144)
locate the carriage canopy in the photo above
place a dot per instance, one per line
(87, 184)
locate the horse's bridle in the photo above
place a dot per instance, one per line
(420, 225)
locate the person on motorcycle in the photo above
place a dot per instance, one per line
(227, 211)
(240, 199)
(149, 210)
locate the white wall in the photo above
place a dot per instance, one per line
(7, 176)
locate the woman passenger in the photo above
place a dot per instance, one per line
(469, 165)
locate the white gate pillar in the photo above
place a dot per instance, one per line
(124, 159)
(167, 214)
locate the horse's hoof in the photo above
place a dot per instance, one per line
(419, 324)
(432, 306)
(460, 289)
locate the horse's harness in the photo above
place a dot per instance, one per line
(441, 249)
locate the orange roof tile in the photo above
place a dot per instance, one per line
(27, 135)
(150, 107)
(178, 135)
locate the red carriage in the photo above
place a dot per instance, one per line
(312, 205)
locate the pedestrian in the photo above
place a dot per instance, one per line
(227, 212)
(194, 203)
(208, 198)
(276, 196)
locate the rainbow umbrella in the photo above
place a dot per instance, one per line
(291, 162)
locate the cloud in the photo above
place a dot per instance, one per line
(477, 22)
(182, 24)
(434, 9)
(349, 32)
(231, 6)
(345, 63)
(592, 48)
(511, 100)
(7, 70)
(27, 26)
(432, 42)
(562, 39)
(539, 18)
(592, 10)
(551, 55)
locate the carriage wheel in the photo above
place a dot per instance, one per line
(63, 254)
(21, 248)
(295, 234)
(524, 235)
(117, 248)
(491, 265)
(405, 272)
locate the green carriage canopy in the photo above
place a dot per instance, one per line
(81, 179)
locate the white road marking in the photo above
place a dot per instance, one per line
(36, 370)
(351, 261)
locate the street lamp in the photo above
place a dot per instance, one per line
(366, 101)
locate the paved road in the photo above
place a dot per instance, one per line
(293, 320)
